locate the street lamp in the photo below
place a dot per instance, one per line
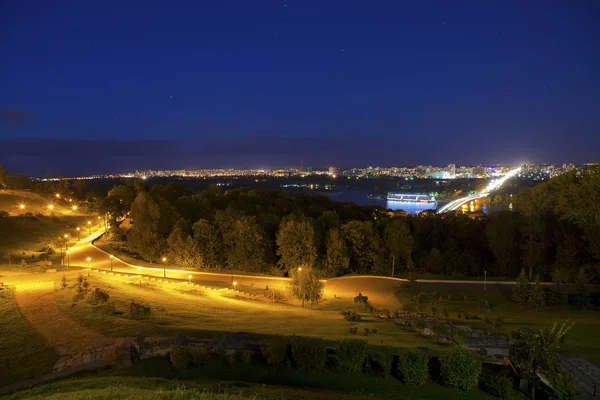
(68, 258)
(22, 206)
(484, 280)
(78, 234)
(299, 269)
(57, 195)
(74, 208)
(234, 285)
(164, 260)
(90, 227)
(66, 240)
(111, 258)
(50, 207)
(88, 264)
(190, 281)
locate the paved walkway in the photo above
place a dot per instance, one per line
(37, 302)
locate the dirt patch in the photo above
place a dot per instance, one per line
(37, 302)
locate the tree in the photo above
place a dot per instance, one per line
(208, 244)
(502, 232)
(248, 248)
(2, 177)
(337, 259)
(182, 247)
(118, 202)
(305, 285)
(296, 243)
(363, 242)
(537, 295)
(537, 351)
(399, 242)
(143, 236)
(522, 289)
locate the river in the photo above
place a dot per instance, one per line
(359, 196)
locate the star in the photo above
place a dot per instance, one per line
(170, 97)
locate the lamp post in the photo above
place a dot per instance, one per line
(484, 280)
(78, 234)
(234, 285)
(90, 227)
(22, 206)
(88, 264)
(111, 258)
(164, 260)
(66, 240)
(190, 281)
(68, 258)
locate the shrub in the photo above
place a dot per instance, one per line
(360, 299)
(460, 368)
(413, 367)
(473, 316)
(274, 349)
(308, 353)
(445, 312)
(63, 281)
(180, 357)
(385, 359)
(353, 330)
(199, 355)
(498, 386)
(522, 289)
(139, 311)
(439, 330)
(459, 336)
(352, 316)
(459, 316)
(367, 331)
(3, 214)
(497, 323)
(100, 296)
(374, 331)
(421, 323)
(350, 355)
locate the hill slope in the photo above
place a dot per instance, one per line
(11, 200)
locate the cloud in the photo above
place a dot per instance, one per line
(15, 115)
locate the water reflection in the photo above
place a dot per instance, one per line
(411, 208)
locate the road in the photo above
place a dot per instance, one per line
(493, 185)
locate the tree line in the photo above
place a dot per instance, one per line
(555, 230)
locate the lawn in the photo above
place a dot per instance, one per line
(176, 309)
(24, 236)
(582, 340)
(23, 353)
(156, 379)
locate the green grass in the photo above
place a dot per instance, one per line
(24, 236)
(175, 309)
(582, 340)
(23, 353)
(156, 379)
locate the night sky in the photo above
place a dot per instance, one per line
(115, 86)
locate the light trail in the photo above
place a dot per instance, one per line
(493, 185)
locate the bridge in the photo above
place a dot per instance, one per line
(493, 185)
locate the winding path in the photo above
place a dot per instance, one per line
(37, 302)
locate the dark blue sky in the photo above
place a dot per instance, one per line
(118, 85)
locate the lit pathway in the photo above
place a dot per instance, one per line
(37, 302)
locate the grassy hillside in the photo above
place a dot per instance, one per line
(23, 353)
(156, 379)
(175, 309)
(11, 200)
(24, 236)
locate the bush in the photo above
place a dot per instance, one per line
(100, 296)
(460, 368)
(180, 357)
(63, 281)
(439, 330)
(139, 311)
(353, 330)
(459, 336)
(413, 367)
(421, 323)
(498, 386)
(385, 359)
(199, 355)
(374, 331)
(3, 214)
(308, 353)
(274, 349)
(351, 316)
(350, 355)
